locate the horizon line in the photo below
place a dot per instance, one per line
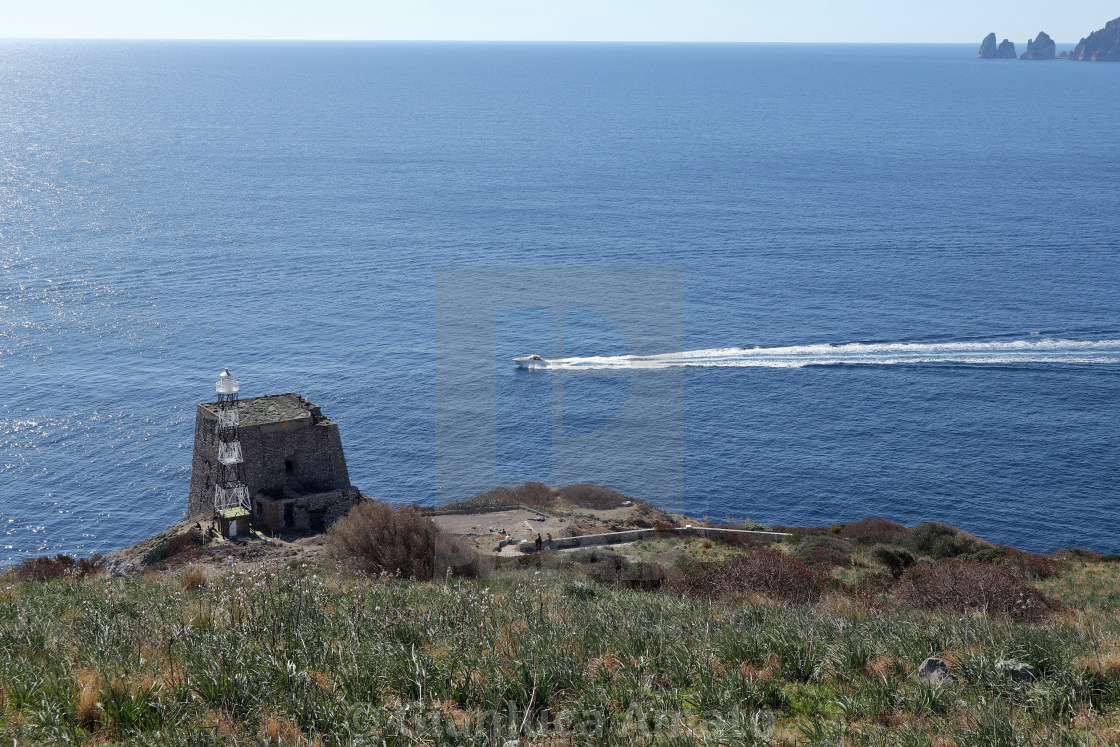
(473, 41)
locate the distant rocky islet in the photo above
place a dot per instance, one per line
(1100, 46)
(989, 50)
(1042, 47)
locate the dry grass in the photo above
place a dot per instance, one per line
(191, 578)
(88, 709)
(281, 731)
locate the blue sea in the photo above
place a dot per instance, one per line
(899, 266)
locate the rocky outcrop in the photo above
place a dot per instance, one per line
(1006, 50)
(1041, 47)
(1102, 45)
(989, 50)
(1019, 671)
(988, 47)
(936, 671)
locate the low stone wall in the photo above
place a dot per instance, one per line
(304, 513)
(633, 535)
(472, 510)
(492, 510)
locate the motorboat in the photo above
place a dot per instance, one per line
(531, 362)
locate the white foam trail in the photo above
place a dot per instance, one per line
(859, 353)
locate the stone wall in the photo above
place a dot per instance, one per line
(305, 513)
(633, 535)
(204, 466)
(300, 456)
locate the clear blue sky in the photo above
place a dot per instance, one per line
(591, 20)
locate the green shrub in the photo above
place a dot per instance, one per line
(577, 590)
(823, 552)
(895, 559)
(940, 541)
(835, 544)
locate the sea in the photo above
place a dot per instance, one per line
(897, 275)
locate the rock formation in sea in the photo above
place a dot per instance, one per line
(988, 47)
(1006, 50)
(1101, 45)
(1041, 47)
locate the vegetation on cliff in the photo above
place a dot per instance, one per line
(673, 641)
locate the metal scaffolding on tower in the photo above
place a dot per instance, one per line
(231, 497)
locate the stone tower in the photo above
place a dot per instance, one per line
(294, 467)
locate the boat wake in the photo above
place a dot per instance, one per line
(1033, 351)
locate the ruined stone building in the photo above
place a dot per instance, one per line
(293, 466)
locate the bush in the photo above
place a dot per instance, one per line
(957, 586)
(592, 496)
(829, 543)
(767, 572)
(746, 525)
(596, 555)
(823, 552)
(895, 559)
(823, 559)
(741, 541)
(377, 538)
(535, 494)
(873, 530)
(940, 541)
(498, 498)
(579, 590)
(608, 567)
(47, 569)
(1024, 565)
(865, 532)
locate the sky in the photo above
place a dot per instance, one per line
(558, 20)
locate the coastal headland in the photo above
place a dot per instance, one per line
(865, 632)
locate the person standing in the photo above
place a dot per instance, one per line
(548, 541)
(538, 542)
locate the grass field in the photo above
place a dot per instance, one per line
(541, 653)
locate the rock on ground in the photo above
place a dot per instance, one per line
(936, 671)
(1019, 671)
